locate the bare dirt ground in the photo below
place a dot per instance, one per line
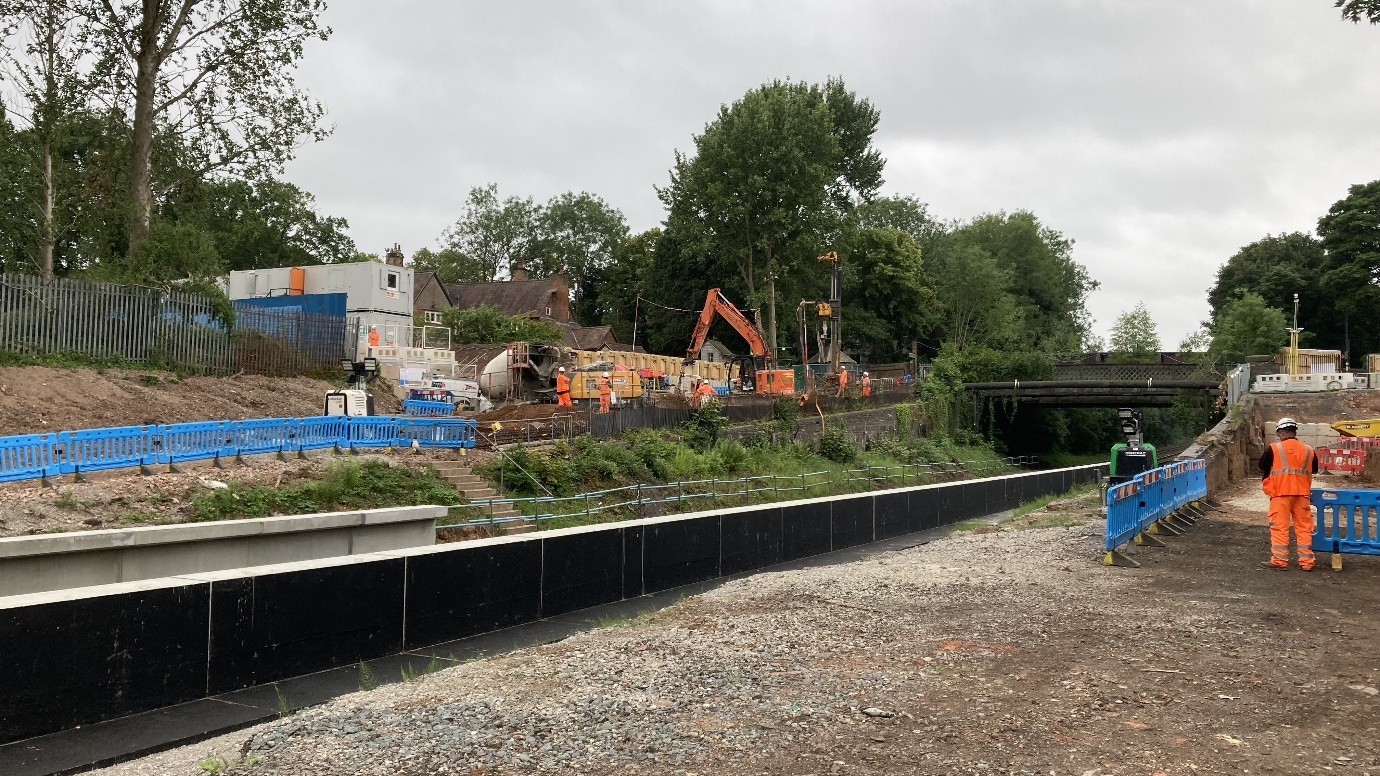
(129, 500)
(1005, 651)
(37, 399)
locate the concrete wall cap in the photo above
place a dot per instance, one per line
(92, 591)
(280, 568)
(109, 539)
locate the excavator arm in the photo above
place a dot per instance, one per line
(715, 303)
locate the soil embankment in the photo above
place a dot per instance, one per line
(40, 399)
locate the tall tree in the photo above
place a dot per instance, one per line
(974, 289)
(450, 265)
(216, 74)
(889, 301)
(1047, 286)
(1351, 238)
(768, 181)
(1247, 326)
(40, 54)
(495, 233)
(1356, 10)
(580, 234)
(1276, 267)
(1135, 333)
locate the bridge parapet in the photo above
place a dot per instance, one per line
(1139, 372)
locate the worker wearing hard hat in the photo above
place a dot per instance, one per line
(843, 383)
(703, 391)
(866, 384)
(562, 388)
(1289, 466)
(605, 394)
(373, 337)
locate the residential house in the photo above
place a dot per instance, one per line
(429, 298)
(544, 298)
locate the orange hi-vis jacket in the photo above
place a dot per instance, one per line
(604, 388)
(1290, 473)
(562, 383)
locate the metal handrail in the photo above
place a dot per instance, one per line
(713, 492)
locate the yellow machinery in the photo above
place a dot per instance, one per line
(1358, 428)
(585, 385)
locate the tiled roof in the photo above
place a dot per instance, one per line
(511, 297)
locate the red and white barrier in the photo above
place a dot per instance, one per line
(1341, 459)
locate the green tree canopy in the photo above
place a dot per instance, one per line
(450, 265)
(890, 301)
(1356, 10)
(495, 233)
(1351, 238)
(1247, 326)
(487, 324)
(973, 289)
(580, 234)
(1276, 267)
(1135, 333)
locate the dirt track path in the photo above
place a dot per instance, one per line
(1005, 652)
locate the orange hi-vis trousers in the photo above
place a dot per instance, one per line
(1295, 511)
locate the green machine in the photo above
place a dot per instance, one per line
(1135, 455)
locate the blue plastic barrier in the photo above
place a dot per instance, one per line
(195, 441)
(435, 432)
(424, 408)
(32, 456)
(1123, 513)
(1347, 521)
(373, 431)
(28, 457)
(1152, 496)
(107, 448)
(322, 432)
(264, 435)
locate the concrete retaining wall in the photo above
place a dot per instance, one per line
(79, 656)
(35, 564)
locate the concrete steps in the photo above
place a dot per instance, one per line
(476, 488)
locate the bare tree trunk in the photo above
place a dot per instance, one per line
(48, 237)
(141, 151)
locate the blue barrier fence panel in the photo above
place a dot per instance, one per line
(194, 441)
(263, 435)
(436, 432)
(1346, 521)
(423, 408)
(373, 431)
(322, 432)
(107, 448)
(1123, 514)
(28, 457)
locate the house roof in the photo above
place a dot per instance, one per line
(719, 346)
(586, 337)
(511, 297)
(424, 278)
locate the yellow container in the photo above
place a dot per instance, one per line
(585, 385)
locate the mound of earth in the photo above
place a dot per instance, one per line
(35, 399)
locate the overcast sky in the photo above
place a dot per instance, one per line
(1161, 136)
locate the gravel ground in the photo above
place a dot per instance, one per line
(1004, 650)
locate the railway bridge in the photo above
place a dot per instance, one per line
(1104, 385)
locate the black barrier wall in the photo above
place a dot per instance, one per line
(80, 656)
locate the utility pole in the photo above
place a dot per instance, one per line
(771, 322)
(1294, 340)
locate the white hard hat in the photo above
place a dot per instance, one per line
(606, 374)
(1286, 423)
(864, 374)
(562, 369)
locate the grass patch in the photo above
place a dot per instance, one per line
(367, 680)
(213, 764)
(139, 518)
(1044, 501)
(1065, 460)
(343, 485)
(65, 500)
(70, 360)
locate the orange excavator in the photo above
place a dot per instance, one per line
(755, 371)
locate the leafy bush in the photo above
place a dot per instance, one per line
(729, 456)
(837, 446)
(702, 431)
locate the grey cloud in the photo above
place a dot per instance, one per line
(1161, 136)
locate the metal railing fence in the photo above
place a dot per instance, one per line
(109, 321)
(637, 497)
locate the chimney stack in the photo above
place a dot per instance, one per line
(394, 257)
(519, 271)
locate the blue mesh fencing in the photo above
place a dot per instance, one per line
(435, 432)
(322, 432)
(263, 435)
(373, 431)
(1152, 496)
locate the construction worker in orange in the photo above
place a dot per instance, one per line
(703, 391)
(866, 384)
(373, 337)
(843, 383)
(562, 389)
(1289, 466)
(605, 394)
